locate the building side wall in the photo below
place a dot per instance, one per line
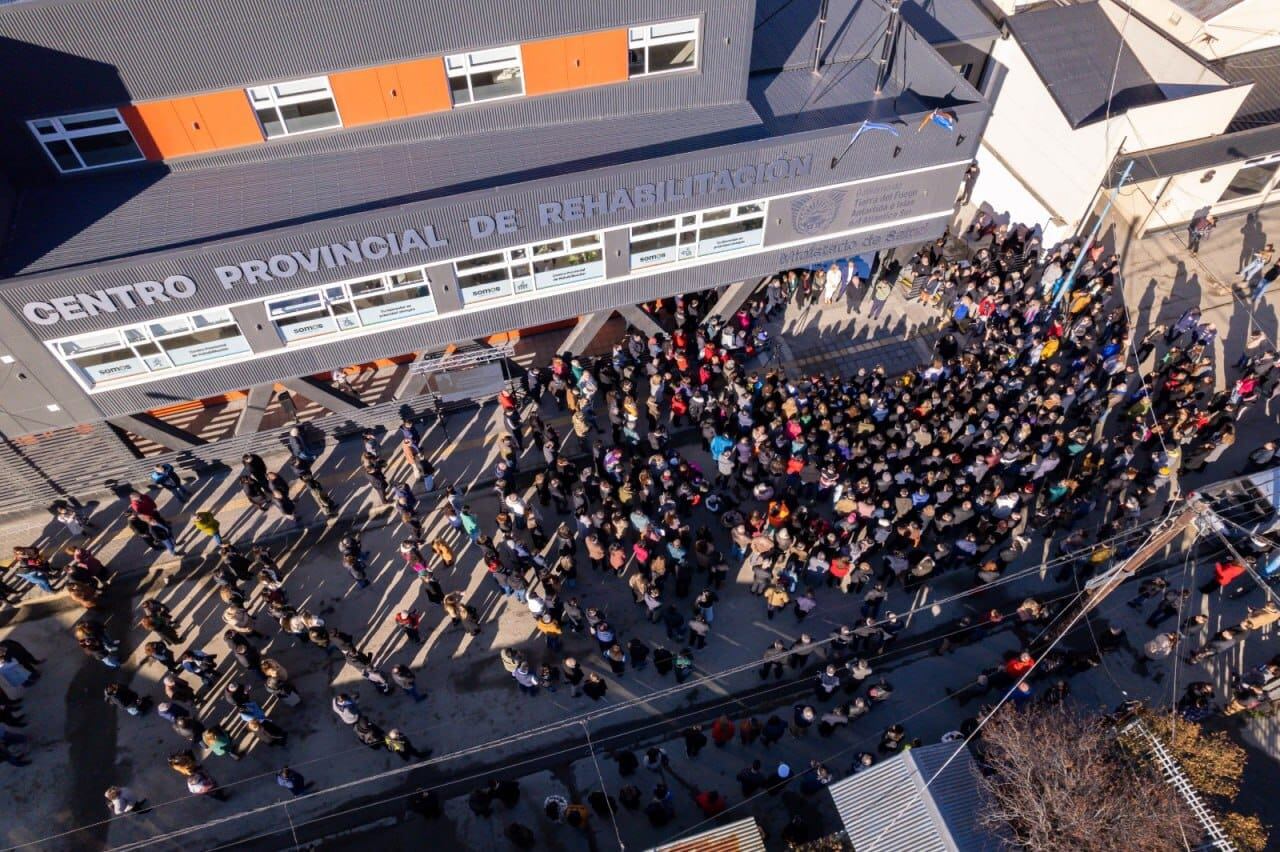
(173, 52)
(806, 226)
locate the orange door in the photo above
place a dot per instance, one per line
(390, 86)
(423, 86)
(229, 117)
(158, 130)
(359, 97)
(193, 124)
(544, 66)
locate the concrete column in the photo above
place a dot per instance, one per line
(254, 408)
(584, 332)
(154, 429)
(323, 395)
(641, 320)
(733, 297)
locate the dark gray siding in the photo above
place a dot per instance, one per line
(871, 157)
(82, 54)
(480, 323)
(162, 48)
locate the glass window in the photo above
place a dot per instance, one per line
(294, 305)
(106, 366)
(296, 106)
(1253, 178)
(411, 301)
(662, 48)
(91, 343)
(88, 140)
(485, 75)
(371, 285)
(171, 325)
(730, 234)
(205, 345)
(658, 243)
(204, 319)
(156, 346)
(406, 279)
(571, 267)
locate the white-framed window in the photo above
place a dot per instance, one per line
(485, 75)
(719, 230)
(541, 266)
(102, 357)
(376, 300)
(664, 241)
(727, 229)
(662, 48)
(86, 140)
(295, 106)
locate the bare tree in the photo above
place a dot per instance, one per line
(1058, 781)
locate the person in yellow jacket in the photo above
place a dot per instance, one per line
(444, 552)
(206, 523)
(775, 598)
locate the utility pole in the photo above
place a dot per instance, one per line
(886, 47)
(1064, 286)
(1096, 590)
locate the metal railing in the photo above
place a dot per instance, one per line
(91, 479)
(1176, 778)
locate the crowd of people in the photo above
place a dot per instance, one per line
(698, 458)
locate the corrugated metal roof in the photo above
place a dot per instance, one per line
(889, 807)
(131, 213)
(1200, 154)
(1074, 49)
(1262, 68)
(740, 836)
(787, 30)
(1206, 10)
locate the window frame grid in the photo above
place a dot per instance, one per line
(646, 39)
(276, 101)
(62, 134)
(470, 66)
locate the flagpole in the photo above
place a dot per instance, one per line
(817, 43)
(886, 49)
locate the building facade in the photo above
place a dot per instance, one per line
(221, 196)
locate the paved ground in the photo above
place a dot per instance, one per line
(474, 720)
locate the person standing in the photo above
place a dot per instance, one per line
(122, 800)
(404, 678)
(164, 476)
(408, 621)
(207, 523)
(293, 781)
(880, 293)
(1199, 231)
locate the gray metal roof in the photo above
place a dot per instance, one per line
(126, 214)
(1206, 9)
(949, 21)
(890, 807)
(1202, 154)
(1262, 68)
(787, 30)
(1074, 48)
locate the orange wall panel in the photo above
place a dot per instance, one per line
(229, 117)
(158, 130)
(424, 87)
(544, 66)
(392, 95)
(193, 124)
(359, 97)
(606, 60)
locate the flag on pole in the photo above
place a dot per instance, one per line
(944, 118)
(872, 125)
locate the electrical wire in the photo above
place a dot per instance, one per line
(604, 788)
(875, 843)
(871, 738)
(595, 714)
